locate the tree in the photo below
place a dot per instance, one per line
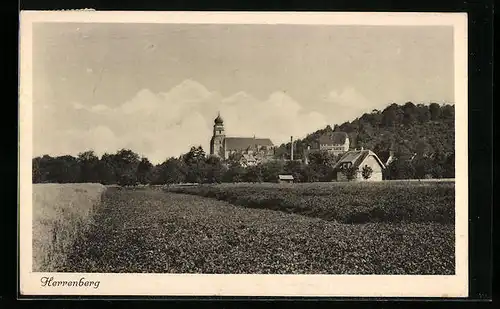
(421, 148)
(144, 170)
(322, 157)
(253, 174)
(349, 172)
(195, 155)
(171, 171)
(422, 167)
(88, 163)
(400, 169)
(126, 163)
(449, 166)
(294, 168)
(410, 113)
(366, 172)
(270, 170)
(215, 170)
(435, 111)
(321, 166)
(62, 169)
(448, 112)
(423, 113)
(392, 115)
(66, 169)
(195, 165)
(310, 173)
(36, 174)
(107, 169)
(234, 173)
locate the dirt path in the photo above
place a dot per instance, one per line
(153, 231)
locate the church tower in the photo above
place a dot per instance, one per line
(218, 136)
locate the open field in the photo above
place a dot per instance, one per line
(346, 202)
(61, 214)
(145, 230)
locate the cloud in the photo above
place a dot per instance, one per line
(278, 117)
(77, 105)
(58, 142)
(99, 108)
(346, 105)
(164, 124)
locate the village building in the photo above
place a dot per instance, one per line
(253, 150)
(359, 159)
(248, 160)
(336, 143)
(333, 142)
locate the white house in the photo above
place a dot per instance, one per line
(358, 159)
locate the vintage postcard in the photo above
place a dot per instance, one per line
(243, 154)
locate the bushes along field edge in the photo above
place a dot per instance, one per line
(343, 202)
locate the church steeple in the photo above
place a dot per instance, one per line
(219, 134)
(218, 120)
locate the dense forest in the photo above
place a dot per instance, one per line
(421, 138)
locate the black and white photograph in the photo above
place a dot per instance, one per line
(299, 154)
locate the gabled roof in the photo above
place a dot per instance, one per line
(333, 138)
(285, 177)
(356, 157)
(243, 143)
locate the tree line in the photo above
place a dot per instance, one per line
(127, 168)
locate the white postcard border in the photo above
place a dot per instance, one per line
(247, 285)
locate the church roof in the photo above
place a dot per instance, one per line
(242, 143)
(333, 138)
(356, 157)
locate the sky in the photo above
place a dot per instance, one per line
(156, 88)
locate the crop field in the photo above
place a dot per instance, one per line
(395, 201)
(61, 214)
(143, 230)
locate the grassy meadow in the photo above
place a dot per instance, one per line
(61, 214)
(316, 228)
(150, 231)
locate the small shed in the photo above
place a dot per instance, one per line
(285, 178)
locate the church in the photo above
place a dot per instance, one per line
(252, 149)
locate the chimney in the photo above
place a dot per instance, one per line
(291, 148)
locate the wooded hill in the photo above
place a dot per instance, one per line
(409, 130)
